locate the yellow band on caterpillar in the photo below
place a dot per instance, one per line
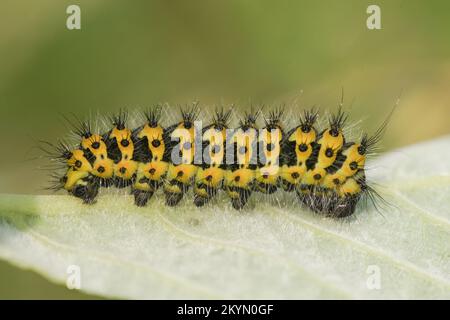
(125, 169)
(212, 177)
(268, 174)
(103, 168)
(96, 145)
(155, 141)
(240, 178)
(183, 173)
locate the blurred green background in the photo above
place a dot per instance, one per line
(136, 53)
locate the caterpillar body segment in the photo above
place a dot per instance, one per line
(121, 149)
(150, 149)
(78, 160)
(326, 159)
(211, 173)
(79, 180)
(181, 170)
(240, 176)
(324, 151)
(269, 151)
(97, 151)
(86, 187)
(297, 149)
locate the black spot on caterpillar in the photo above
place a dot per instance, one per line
(318, 164)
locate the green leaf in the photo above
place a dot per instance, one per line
(271, 250)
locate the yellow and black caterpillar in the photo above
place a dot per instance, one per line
(323, 169)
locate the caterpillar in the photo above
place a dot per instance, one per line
(317, 163)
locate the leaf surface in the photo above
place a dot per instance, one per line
(273, 250)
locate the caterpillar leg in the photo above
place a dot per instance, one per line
(239, 197)
(87, 191)
(287, 186)
(266, 188)
(121, 183)
(317, 203)
(125, 173)
(334, 205)
(290, 177)
(141, 197)
(81, 184)
(317, 199)
(305, 194)
(201, 200)
(346, 206)
(203, 194)
(141, 191)
(174, 192)
(349, 193)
